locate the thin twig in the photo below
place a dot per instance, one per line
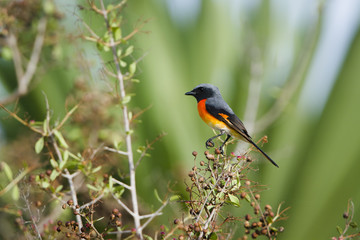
(16, 180)
(95, 200)
(31, 215)
(124, 206)
(152, 216)
(148, 146)
(116, 151)
(24, 79)
(120, 183)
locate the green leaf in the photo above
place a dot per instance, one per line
(96, 169)
(135, 80)
(7, 170)
(54, 163)
(132, 68)
(234, 200)
(118, 191)
(39, 145)
(109, 7)
(122, 63)
(6, 53)
(353, 225)
(45, 184)
(129, 50)
(118, 52)
(54, 174)
(44, 123)
(339, 229)
(212, 236)
(15, 193)
(126, 99)
(157, 196)
(99, 219)
(111, 184)
(117, 33)
(147, 237)
(175, 198)
(59, 188)
(61, 139)
(66, 155)
(91, 187)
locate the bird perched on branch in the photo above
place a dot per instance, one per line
(216, 113)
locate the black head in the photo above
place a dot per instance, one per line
(204, 91)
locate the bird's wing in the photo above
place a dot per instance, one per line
(224, 113)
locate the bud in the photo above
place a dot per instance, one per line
(194, 153)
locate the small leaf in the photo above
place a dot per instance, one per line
(99, 219)
(59, 188)
(7, 170)
(129, 50)
(339, 229)
(91, 187)
(96, 169)
(6, 53)
(15, 193)
(111, 184)
(117, 33)
(39, 145)
(118, 191)
(353, 225)
(126, 99)
(147, 237)
(109, 7)
(175, 198)
(54, 163)
(122, 63)
(132, 68)
(118, 52)
(157, 196)
(54, 174)
(213, 236)
(45, 184)
(61, 139)
(66, 155)
(234, 200)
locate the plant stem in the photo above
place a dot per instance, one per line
(126, 123)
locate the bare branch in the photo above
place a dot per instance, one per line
(153, 215)
(123, 205)
(24, 79)
(115, 151)
(120, 183)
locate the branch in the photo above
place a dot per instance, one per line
(123, 205)
(24, 79)
(153, 215)
(120, 78)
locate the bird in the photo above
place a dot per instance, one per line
(217, 114)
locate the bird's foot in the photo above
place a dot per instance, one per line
(221, 150)
(209, 143)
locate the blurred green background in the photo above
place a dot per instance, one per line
(289, 69)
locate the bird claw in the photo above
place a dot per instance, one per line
(209, 144)
(221, 150)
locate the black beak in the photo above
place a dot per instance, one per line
(191, 93)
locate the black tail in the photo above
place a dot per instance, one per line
(263, 153)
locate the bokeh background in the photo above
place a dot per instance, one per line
(289, 69)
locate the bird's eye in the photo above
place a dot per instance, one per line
(201, 89)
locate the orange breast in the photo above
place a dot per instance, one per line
(208, 118)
